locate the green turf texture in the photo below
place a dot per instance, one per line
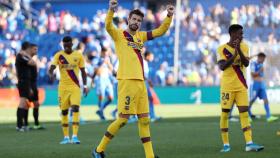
(172, 138)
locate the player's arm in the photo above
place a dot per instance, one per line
(161, 30)
(256, 73)
(109, 64)
(84, 75)
(225, 63)
(53, 66)
(110, 28)
(27, 60)
(244, 60)
(50, 72)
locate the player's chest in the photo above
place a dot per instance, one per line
(133, 42)
(69, 62)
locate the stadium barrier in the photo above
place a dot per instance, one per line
(165, 96)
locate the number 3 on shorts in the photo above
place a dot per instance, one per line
(127, 98)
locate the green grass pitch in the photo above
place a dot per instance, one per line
(191, 137)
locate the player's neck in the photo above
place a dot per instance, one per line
(68, 52)
(130, 31)
(230, 43)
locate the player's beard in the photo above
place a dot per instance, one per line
(133, 27)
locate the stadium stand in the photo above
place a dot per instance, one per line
(203, 28)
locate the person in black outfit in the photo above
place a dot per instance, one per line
(27, 74)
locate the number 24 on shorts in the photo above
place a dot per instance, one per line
(225, 96)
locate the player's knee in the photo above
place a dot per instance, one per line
(144, 120)
(122, 122)
(242, 109)
(23, 103)
(265, 101)
(75, 108)
(36, 104)
(64, 112)
(225, 110)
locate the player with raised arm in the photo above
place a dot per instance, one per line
(132, 92)
(233, 60)
(70, 64)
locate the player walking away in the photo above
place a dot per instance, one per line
(149, 57)
(132, 92)
(70, 64)
(233, 60)
(104, 85)
(23, 61)
(259, 88)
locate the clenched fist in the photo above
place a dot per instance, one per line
(170, 10)
(113, 4)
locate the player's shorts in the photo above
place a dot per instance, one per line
(69, 97)
(132, 97)
(105, 90)
(34, 97)
(228, 98)
(258, 91)
(24, 89)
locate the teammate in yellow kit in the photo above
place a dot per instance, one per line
(233, 60)
(132, 93)
(70, 64)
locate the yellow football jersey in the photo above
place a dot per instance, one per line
(128, 47)
(234, 77)
(69, 68)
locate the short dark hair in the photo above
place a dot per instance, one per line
(24, 45)
(136, 12)
(103, 49)
(234, 27)
(147, 53)
(67, 39)
(261, 54)
(32, 45)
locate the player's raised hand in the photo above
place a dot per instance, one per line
(113, 4)
(170, 10)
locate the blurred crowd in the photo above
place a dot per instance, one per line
(202, 30)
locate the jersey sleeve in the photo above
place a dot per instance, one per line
(161, 30)
(82, 62)
(111, 29)
(23, 59)
(55, 60)
(220, 55)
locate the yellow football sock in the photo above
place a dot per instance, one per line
(144, 133)
(246, 127)
(65, 128)
(224, 127)
(110, 133)
(75, 123)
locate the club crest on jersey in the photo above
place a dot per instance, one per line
(135, 45)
